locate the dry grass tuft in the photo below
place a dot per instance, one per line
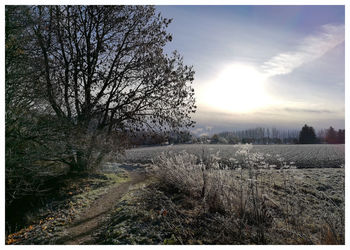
(267, 202)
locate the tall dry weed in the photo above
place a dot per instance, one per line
(258, 199)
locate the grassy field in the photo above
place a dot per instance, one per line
(207, 194)
(162, 214)
(303, 156)
(273, 194)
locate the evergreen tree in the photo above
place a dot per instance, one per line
(307, 135)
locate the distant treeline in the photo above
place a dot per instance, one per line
(306, 135)
(332, 136)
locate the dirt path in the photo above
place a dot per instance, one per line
(81, 230)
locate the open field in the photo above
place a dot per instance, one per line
(311, 214)
(273, 194)
(303, 156)
(202, 198)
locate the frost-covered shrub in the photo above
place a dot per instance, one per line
(180, 171)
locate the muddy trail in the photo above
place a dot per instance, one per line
(81, 230)
(76, 219)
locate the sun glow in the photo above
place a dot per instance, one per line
(238, 88)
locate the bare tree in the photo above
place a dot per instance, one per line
(33, 139)
(105, 71)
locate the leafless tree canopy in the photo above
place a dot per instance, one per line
(105, 67)
(79, 80)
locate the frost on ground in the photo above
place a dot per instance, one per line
(304, 156)
(242, 200)
(84, 206)
(158, 214)
(207, 197)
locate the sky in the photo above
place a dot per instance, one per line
(269, 66)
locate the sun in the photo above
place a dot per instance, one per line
(238, 88)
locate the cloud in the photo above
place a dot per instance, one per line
(309, 49)
(317, 111)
